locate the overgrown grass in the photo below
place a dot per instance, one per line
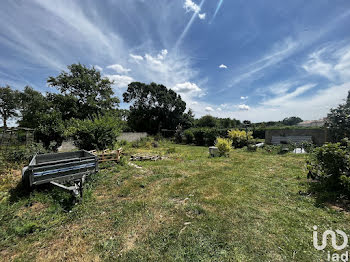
(250, 206)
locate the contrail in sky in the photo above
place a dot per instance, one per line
(217, 10)
(178, 42)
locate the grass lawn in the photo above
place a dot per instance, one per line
(250, 206)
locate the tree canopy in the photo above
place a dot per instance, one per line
(291, 121)
(207, 121)
(93, 94)
(154, 107)
(84, 94)
(338, 120)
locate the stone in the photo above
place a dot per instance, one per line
(213, 151)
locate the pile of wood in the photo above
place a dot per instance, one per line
(108, 155)
(142, 157)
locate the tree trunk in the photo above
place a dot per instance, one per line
(5, 122)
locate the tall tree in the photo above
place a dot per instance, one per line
(8, 104)
(188, 119)
(93, 93)
(41, 113)
(207, 121)
(291, 121)
(33, 105)
(154, 107)
(338, 120)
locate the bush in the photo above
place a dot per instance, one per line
(240, 138)
(224, 145)
(189, 136)
(198, 134)
(330, 165)
(22, 154)
(202, 135)
(259, 133)
(145, 142)
(98, 133)
(252, 148)
(307, 146)
(178, 136)
(50, 130)
(210, 135)
(272, 148)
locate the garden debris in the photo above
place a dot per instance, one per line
(260, 144)
(141, 157)
(108, 155)
(133, 165)
(299, 150)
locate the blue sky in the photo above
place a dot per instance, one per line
(255, 60)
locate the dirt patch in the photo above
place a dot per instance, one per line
(342, 206)
(69, 245)
(140, 231)
(34, 208)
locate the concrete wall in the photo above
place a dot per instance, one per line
(319, 136)
(131, 137)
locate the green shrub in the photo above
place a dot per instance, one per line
(23, 154)
(202, 135)
(145, 142)
(240, 138)
(50, 130)
(98, 133)
(210, 135)
(198, 134)
(330, 165)
(123, 161)
(252, 148)
(224, 145)
(307, 146)
(259, 132)
(189, 136)
(271, 148)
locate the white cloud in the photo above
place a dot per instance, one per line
(187, 87)
(219, 109)
(152, 60)
(98, 68)
(209, 109)
(119, 69)
(314, 106)
(120, 81)
(202, 16)
(223, 66)
(286, 97)
(189, 5)
(243, 107)
(157, 60)
(244, 97)
(331, 62)
(279, 52)
(136, 58)
(67, 31)
(162, 54)
(281, 87)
